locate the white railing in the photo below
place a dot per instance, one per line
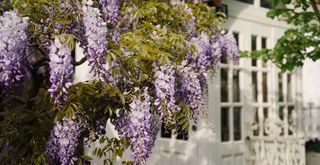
(273, 141)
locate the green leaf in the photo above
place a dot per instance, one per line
(86, 157)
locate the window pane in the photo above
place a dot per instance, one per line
(165, 132)
(225, 133)
(253, 48)
(265, 116)
(236, 36)
(280, 88)
(263, 46)
(237, 123)
(246, 1)
(224, 85)
(264, 87)
(256, 121)
(266, 4)
(263, 42)
(281, 116)
(182, 135)
(254, 87)
(290, 118)
(236, 85)
(289, 88)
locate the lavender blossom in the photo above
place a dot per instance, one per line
(64, 139)
(143, 129)
(203, 55)
(121, 124)
(12, 47)
(189, 88)
(191, 23)
(140, 127)
(111, 10)
(61, 71)
(190, 27)
(165, 91)
(96, 33)
(224, 46)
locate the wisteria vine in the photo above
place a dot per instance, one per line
(12, 47)
(163, 70)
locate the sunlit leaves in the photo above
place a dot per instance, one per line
(300, 41)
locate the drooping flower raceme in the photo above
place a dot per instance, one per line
(111, 9)
(191, 23)
(165, 91)
(202, 57)
(224, 46)
(61, 71)
(96, 33)
(143, 130)
(64, 139)
(189, 88)
(12, 47)
(140, 127)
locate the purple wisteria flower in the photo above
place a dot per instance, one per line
(143, 129)
(111, 9)
(140, 127)
(165, 91)
(224, 46)
(96, 33)
(191, 23)
(203, 55)
(13, 42)
(61, 71)
(189, 88)
(189, 28)
(64, 139)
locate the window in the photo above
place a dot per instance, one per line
(280, 88)
(236, 85)
(289, 88)
(182, 135)
(167, 133)
(224, 85)
(254, 86)
(253, 48)
(264, 87)
(225, 131)
(236, 36)
(264, 46)
(232, 106)
(266, 4)
(237, 123)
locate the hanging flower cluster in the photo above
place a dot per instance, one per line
(96, 33)
(140, 127)
(64, 140)
(12, 47)
(224, 46)
(111, 10)
(160, 68)
(165, 85)
(189, 88)
(61, 71)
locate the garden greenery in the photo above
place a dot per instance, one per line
(301, 40)
(149, 60)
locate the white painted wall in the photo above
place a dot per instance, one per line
(311, 94)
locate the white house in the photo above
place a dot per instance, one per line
(256, 110)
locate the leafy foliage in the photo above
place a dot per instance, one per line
(301, 40)
(149, 33)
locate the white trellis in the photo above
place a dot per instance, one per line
(278, 142)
